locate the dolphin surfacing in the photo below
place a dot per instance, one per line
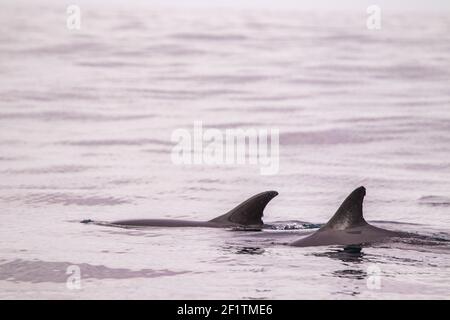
(246, 215)
(347, 226)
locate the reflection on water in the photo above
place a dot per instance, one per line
(352, 254)
(351, 268)
(47, 271)
(350, 274)
(250, 250)
(239, 249)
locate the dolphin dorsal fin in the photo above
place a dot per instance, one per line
(350, 213)
(249, 212)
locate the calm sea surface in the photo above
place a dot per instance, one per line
(86, 119)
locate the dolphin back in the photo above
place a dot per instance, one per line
(249, 212)
(347, 226)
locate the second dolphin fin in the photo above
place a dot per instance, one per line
(249, 212)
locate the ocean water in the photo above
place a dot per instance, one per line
(86, 118)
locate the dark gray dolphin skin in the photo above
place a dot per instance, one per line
(246, 215)
(347, 226)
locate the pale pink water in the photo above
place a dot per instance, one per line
(85, 124)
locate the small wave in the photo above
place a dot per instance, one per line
(292, 225)
(37, 271)
(67, 199)
(324, 137)
(394, 222)
(69, 116)
(208, 37)
(435, 201)
(51, 169)
(109, 64)
(116, 142)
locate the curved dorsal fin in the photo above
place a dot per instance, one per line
(249, 212)
(350, 213)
